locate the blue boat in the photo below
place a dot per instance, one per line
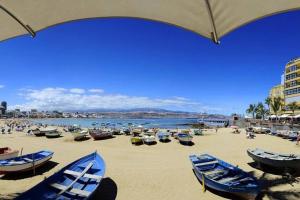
(78, 180)
(221, 176)
(25, 162)
(162, 136)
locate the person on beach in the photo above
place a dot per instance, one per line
(298, 139)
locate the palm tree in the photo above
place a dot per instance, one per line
(268, 102)
(293, 106)
(277, 104)
(251, 110)
(261, 110)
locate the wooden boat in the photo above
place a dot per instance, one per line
(116, 131)
(261, 130)
(79, 135)
(74, 128)
(184, 138)
(198, 132)
(6, 153)
(126, 131)
(293, 135)
(136, 140)
(150, 132)
(37, 132)
(149, 139)
(78, 180)
(25, 162)
(162, 136)
(136, 132)
(44, 131)
(99, 134)
(221, 176)
(281, 133)
(286, 161)
(52, 133)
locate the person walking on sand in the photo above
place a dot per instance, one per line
(298, 139)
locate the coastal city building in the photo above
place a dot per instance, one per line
(3, 108)
(289, 89)
(292, 81)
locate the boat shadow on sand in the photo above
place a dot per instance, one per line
(272, 170)
(267, 182)
(187, 143)
(107, 191)
(29, 174)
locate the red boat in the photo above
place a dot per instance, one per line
(99, 134)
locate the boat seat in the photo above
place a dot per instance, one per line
(72, 190)
(245, 179)
(229, 179)
(206, 163)
(214, 172)
(12, 162)
(76, 174)
(28, 159)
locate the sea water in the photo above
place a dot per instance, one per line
(169, 123)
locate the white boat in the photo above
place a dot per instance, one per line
(149, 139)
(80, 134)
(6, 153)
(25, 162)
(261, 130)
(53, 134)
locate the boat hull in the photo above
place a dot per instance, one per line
(23, 166)
(185, 138)
(52, 135)
(100, 135)
(79, 135)
(223, 177)
(149, 140)
(136, 140)
(44, 190)
(163, 137)
(211, 184)
(292, 164)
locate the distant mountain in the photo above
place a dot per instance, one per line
(148, 110)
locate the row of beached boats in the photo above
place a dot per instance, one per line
(285, 134)
(78, 180)
(81, 178)
(138, 136)
(224, 177)
(183, 138)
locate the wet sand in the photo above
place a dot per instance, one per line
(161, 171)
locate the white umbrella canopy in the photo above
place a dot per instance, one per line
(209, 18)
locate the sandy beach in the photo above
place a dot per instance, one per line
(161, 171)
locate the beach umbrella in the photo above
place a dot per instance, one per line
(209, 18)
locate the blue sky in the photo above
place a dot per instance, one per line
(128, 63)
